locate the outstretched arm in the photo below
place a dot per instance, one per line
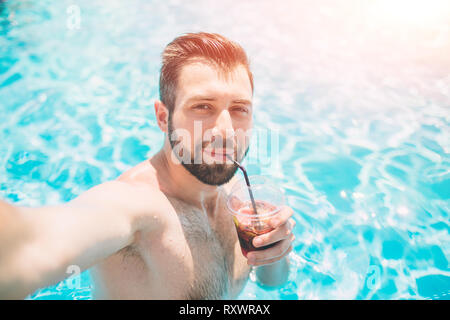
(38, 244)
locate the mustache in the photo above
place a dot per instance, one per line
(215, 143)
(218, 144)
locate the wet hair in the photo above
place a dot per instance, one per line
(210, 48)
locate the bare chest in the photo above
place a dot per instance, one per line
(196, 257)
(209, 242)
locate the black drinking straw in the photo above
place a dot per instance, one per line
(246, 181)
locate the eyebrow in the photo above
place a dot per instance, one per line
(206, 98)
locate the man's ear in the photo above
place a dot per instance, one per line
(162, 115)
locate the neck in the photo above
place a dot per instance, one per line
(181, 183)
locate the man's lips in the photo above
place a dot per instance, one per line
(219, 153)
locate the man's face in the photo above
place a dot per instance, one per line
(211, 121)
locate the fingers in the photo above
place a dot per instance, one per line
(273, 254)
(281, 236)
(282, 232)
(283, 216)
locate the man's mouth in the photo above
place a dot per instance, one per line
(219, 154)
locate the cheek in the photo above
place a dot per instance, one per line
(183, 127)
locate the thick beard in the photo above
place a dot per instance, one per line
(211, 174)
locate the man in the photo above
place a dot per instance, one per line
(161, 230)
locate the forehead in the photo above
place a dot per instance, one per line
(202, 79)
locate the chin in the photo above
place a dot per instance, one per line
(213, 175)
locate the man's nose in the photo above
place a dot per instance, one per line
(224, 125)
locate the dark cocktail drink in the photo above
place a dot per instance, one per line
(253, 204)
(249, 225)
(264, 198)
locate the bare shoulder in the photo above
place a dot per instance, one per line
(134, 191)
(143, 172)
(142, 180)
(116, 193)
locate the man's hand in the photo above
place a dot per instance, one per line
(281, 236)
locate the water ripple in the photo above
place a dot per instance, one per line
(361, 104)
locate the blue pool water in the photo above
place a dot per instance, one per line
(359, 94)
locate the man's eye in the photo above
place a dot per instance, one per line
(202, 107)
(240, 109)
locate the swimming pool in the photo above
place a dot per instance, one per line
(360, 99)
